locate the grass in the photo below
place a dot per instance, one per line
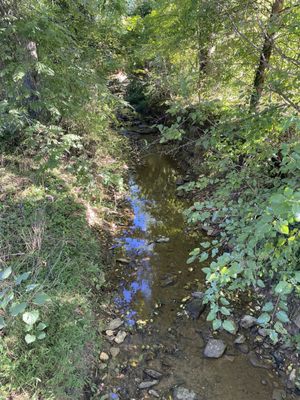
(45, 227)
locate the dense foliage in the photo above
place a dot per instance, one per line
(229, 73)
(226, 74)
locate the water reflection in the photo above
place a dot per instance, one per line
(157, 213)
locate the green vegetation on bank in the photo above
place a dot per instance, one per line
(60, 172)
(227, 74)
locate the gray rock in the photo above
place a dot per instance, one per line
(248, 321)
(296, 319)
(147, 384)
(154, 393)
(198, 295)
(195, 308)
(162, 239)
(169, 281)
(256, 362)
(120, 337)
(243, 348)
(114, 324)
(278, 394)
(181, 393)
(215, 348)
(240, 339)
(114, 351)
(153, 374)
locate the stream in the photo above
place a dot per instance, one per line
(152, 282)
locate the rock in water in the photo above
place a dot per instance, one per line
(247, 321)
(215, 348)
(153, 374)
(195, 308)
(181, 393)
(114, 324)
(147, 384)
(154, 393)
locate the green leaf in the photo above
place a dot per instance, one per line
(41, 298)
(282, 316)
(283, 287)
(260, 283)
(17, 308)
(203, 257)
(5, 273)
(229, 326)
(20, 278)
(263, 319)
(205, 245)
(30, 338)
(268, 307)
(31, 317)
(225, 311)
(2, 323)
(280, 328)
(41, 335)
(217, 323)
(41, 326)
(31, 287)
(211, 316)
(224, 301)
(273, 336)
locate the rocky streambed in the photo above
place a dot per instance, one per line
(157, 343)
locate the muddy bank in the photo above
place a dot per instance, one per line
(161, 346)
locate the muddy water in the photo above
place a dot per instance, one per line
(150, 290)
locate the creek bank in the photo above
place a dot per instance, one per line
(158, 305)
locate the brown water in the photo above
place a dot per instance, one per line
(165, 338)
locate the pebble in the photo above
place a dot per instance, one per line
(247, 321)
(215, 348)
(195, 308)
(154, 393)
(256, 362)
(243, 348)
(114, 324)
(104, 356)
(109, 332)
(181, 393)
(278, 394)
(120, 337)
(114, 351)
(147, 384)
(153, 373)
(240, 339)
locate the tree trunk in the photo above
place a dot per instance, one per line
(31, 78)
(260, 75)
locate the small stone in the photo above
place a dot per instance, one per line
(104, 356)
(262, 332)
(154, 393)
(264, 382)
(120, 337)
(247, 321)
(109, 332)
(147, 384)
(123, 260)
(240, 339)
(181, 393)
(114, 324)
(215, 348)
(296, 319)
(278, 394)
(163, 239)
(243, 348)
(153, 374)
(169, 281)
(114, 351)
(256, 362)
(195, 308)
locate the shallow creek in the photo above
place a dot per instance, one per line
(150, 289)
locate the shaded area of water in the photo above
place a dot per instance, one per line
(153, 284)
